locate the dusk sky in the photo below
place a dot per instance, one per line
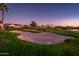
(56, 14)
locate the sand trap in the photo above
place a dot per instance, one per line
(42, 38)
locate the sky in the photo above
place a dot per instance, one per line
(43, 13)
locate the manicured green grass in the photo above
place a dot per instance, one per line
(66, 32)
(9, 43)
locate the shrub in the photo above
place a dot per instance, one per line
(68, 40)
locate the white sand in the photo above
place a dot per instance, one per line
(42, 38)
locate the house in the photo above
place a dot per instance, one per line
(15, 26)
(12, 26)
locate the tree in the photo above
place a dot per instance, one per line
(33, 24)
(3, 9)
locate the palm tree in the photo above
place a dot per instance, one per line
(3, 9)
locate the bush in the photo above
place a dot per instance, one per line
(68, 40)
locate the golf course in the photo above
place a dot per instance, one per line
(10, 44)
(38, 29)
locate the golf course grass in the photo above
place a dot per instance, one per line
(10, 44)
